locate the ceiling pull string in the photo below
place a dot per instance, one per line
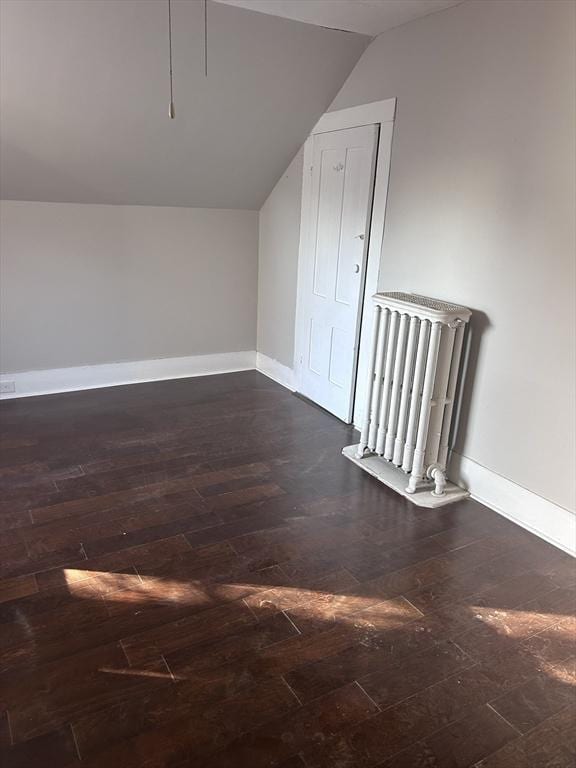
(205, 38)
(171, 107)
(171, 111)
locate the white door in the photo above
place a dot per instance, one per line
(333, 269)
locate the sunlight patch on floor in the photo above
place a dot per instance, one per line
(515, 623)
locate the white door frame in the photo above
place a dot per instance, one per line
(375, 113)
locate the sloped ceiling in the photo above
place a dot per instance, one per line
(84, 100)
(368, 17)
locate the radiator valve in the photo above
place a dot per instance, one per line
(436, 473)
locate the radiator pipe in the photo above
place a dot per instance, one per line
(362, 445)
(415, 396)
(425, 407)
(396, 382)
(385, 403)
(439, 399)
(436, 473)
(377, 393)
(451, 394)
(406, 383)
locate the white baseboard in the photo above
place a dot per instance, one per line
(276, 371)
(551, 522)
(47, 382)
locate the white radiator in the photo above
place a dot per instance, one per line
(415, 360)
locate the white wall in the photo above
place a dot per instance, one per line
(481, 211)
(279, 231)
(89, 284)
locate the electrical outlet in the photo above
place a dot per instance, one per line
(7, 386)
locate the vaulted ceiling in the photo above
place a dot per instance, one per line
(85, 91)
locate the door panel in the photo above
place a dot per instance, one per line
(318, 350)
(342, 181)
(329, 204)
(339, 365)
(354, 210)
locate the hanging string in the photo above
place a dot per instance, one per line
(171, 112)
(171, 107)
(205, 38)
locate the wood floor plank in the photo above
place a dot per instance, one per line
(531, 703)
(552, 743)
(202, 661)
(20, 586)
(120, 520)
(285, 737)
(117, 561)
(414, 673)
(387, 733)
(51, 750)
(377, 650)
(15, 560)
(201, 731)
(459, 745)
(554, 644)
(201, 628)
(48, 698)
(153, 708)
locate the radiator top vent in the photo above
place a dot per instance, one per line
(423, 301)
(412, 303)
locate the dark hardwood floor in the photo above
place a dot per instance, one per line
(192, 575)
